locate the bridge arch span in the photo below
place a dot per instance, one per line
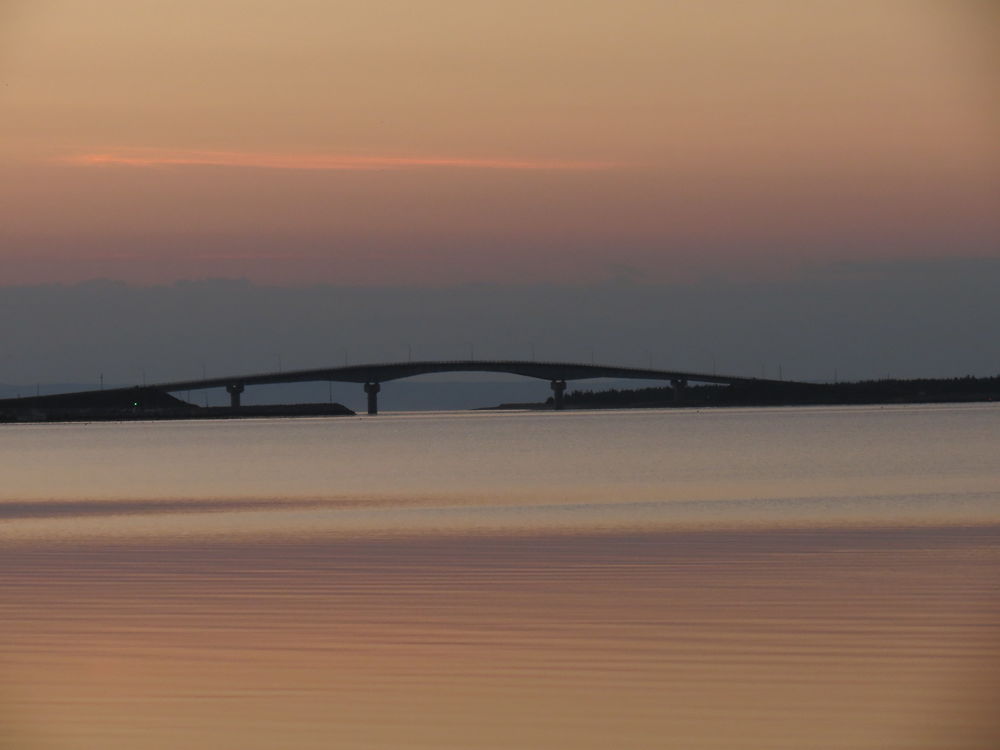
(371, 376)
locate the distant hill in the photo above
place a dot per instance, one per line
(751, 393)
(767, 394)
(141, 403)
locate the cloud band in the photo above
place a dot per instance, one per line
(315, 162)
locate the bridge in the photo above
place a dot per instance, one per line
(373, 375)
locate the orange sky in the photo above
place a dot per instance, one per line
(400, 142)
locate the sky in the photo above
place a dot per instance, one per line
(447, 141)
(763, 183)
(855, 321)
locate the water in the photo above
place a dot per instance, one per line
(755, 578)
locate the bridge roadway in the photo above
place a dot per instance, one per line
(373, 375)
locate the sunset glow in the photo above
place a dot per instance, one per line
(468, 142)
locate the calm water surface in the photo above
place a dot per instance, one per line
(758, 578)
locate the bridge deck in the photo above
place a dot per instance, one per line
(380, 373)
(556, 372)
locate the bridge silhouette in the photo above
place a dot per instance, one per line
(373, 375)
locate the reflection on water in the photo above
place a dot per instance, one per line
(798, 578)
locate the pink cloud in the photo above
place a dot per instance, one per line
(315, 162)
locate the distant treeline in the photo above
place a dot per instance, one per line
(130, 404)
(770, 393)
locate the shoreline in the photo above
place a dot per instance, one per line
(174, 413)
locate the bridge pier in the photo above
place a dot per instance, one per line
(558, 388)
(234, 390)
(679, 385)
(372, 390)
